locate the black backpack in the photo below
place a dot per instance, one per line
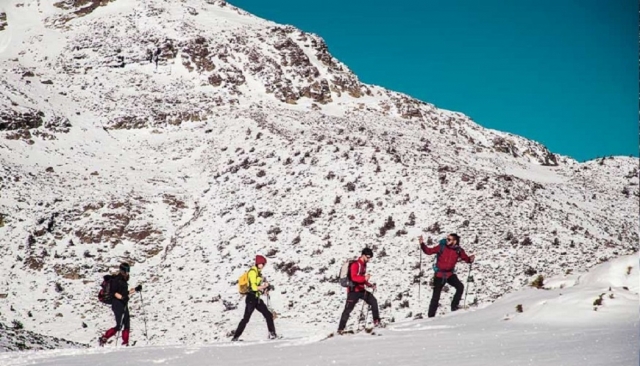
(105, 296)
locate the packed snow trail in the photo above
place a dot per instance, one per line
(458, 344)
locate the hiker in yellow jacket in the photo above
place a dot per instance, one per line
(253, 301)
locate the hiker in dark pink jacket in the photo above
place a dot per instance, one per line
(448, 252)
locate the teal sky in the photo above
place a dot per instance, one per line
(561, 72)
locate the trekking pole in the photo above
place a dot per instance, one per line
(362, 312)
(273, 312)
(268, 302)
(144, 318)
(368, 310)
(420, 275)
(121, 325)
(466, 291)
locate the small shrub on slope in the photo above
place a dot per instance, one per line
(598, 302)
(388, 225)
(519, 308)
(538, 282)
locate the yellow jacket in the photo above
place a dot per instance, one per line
(255, 279)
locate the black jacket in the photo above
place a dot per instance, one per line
(119, 285)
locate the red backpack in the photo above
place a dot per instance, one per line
(105, 296)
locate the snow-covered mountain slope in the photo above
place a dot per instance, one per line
(248, 137)
(557, 326)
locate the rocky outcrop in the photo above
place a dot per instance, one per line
(320, 92)
(196, 56)
(550, 159)
(3, 21)
(281, 62)
(13, 120)
(14, 338)
(506, 146)
(77, 8)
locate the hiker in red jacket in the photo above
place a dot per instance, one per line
(360, 278)
(447, 252)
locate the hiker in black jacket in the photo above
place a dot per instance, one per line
(120, 294)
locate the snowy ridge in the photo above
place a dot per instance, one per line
(249, 137)
(224, 57)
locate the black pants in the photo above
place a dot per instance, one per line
(438, 284)
(121, 312)
(352, 300)
(254, 303)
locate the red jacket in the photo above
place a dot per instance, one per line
(358, 270)
(447, 261)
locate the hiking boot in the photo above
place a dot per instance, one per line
(102, 341)
(455, 308)
(234, 339)
(340, 331)
(377, 324)
(273, 335)
(125, 344)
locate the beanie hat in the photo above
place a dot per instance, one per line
(367, 252)
(260, 260)
(124, 267)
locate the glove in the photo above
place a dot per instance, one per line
(138, 288)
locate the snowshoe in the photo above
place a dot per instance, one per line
(345, 332)
(102, 341)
